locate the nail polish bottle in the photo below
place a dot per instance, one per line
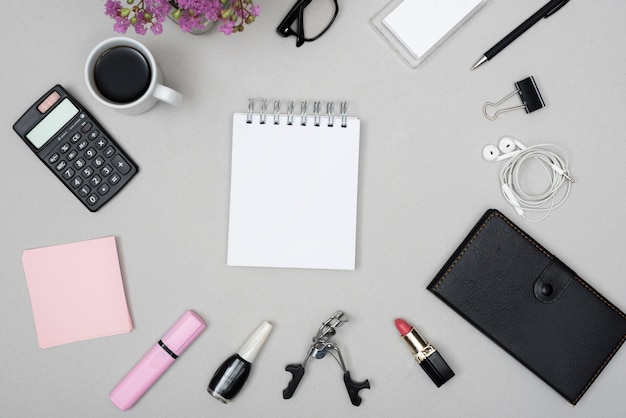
(231, 376)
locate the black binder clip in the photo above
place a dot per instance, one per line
(320, 347)
(528, 92)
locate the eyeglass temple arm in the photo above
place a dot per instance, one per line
(296, 13)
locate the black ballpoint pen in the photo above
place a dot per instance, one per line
(548, 10)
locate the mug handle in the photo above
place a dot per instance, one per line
(168, 95)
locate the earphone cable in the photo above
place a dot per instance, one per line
(556, 168)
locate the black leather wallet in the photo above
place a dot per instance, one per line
(532, 305)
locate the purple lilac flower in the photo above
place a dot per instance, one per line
(157, 28)
(121, 24)
(227, 27)
(188, 22)
(158, 9)
(213, 11)
(198, 6)
(112, 8)
(139, 25)
(144, 14)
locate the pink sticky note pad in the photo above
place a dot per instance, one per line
(76, 291)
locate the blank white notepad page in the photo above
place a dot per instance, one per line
(293, 199)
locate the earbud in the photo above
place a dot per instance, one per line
(518, 154)
(491, 152)
(508, 145)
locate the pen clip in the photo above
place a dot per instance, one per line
(556, 8)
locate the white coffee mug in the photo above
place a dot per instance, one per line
(155, 90)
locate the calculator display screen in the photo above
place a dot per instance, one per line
(52, 123)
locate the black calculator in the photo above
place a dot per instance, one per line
(75, 147)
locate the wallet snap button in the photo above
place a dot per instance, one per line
(547, 289)
(552, 282)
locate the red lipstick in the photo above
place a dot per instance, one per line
(425, 354)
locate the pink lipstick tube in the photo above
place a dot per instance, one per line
(157, 360)
(425, 354)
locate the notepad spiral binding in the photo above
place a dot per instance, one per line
(317, 115)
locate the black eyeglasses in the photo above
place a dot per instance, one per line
(314, 14)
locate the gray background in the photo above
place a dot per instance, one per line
(422, 185)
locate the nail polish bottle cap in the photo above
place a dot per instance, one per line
(250, 349)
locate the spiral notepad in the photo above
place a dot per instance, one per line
(294, 177)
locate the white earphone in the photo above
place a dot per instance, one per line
(517, 153)
(507, 145)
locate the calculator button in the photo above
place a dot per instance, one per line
(80, 163)
(53, 158)
(106, 170)
(76, 181)
(87, 172)
(82, 145)
(93, 135)
(98, 161)
(65, 147)
(120, 164)
(84, 191)
(110, 152)
(101, 143)
(90, 153)
(115, 178)
(69, 173)
(95, 181)
(72, 154)
(93, 199)
(76, 137)
(86, 126)
(103, 189)
(60, 166)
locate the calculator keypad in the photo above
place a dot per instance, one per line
(91, 164)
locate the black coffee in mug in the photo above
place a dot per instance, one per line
(122, 74)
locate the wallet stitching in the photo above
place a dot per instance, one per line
(599, 296)
(515, 228)
(582, 282)
(617, 347)
(606, 361)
